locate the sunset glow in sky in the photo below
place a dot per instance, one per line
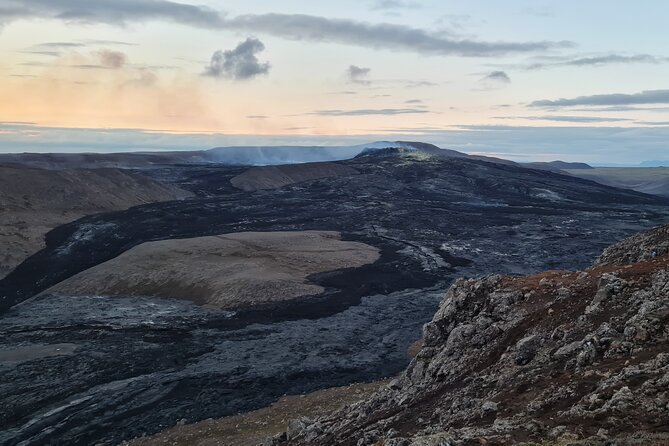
(578, 80)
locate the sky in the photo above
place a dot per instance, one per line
(524, 80)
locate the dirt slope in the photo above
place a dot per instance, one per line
(251, 429)
(230, 271)
(34, 201)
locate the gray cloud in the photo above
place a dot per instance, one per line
(382, 35)
(622, 108)
(654, 123)
(104, 60)
(645, 97)
(288, 26)
(144, 78)
(382, 5)
(613, 108)
(117, 12)
(107, 42)
(358, 75)
(240, 63)
(418, 84)
(59, 45)
(573, 119)
(598, 61)
(497, 76)
(112, 59)
(367, 112)
(42, 53)
(55, 49)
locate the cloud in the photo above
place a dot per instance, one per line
(358, 75)
(381, 5)
(623, 108)
(645, 97)
(413, 101)
(497, 76)
(418, 84)
(42, 53)
(288, 26)
(574, 119)
(112, 59)
(144, 78)
(107, 42)
(116, 12)
(654, 123)
(368, 112)
(60, 45)
(101, 60)
(494, 80)
(379, 36)
(599, 61)
(55, 49)
(81, 44)
(240, 63)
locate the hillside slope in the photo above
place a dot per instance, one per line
(230, 271)
(558, 357)
(649, 180)
(501, 205)
(34, 201)
(272, 177)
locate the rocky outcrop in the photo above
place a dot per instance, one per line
(557, 357)
(643, 246)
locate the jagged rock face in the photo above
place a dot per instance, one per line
(550, 357)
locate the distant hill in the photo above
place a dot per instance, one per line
(650, 180)
(557, 165)
(655, 163)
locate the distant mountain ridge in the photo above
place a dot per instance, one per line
(655, 163)
(236, 156)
